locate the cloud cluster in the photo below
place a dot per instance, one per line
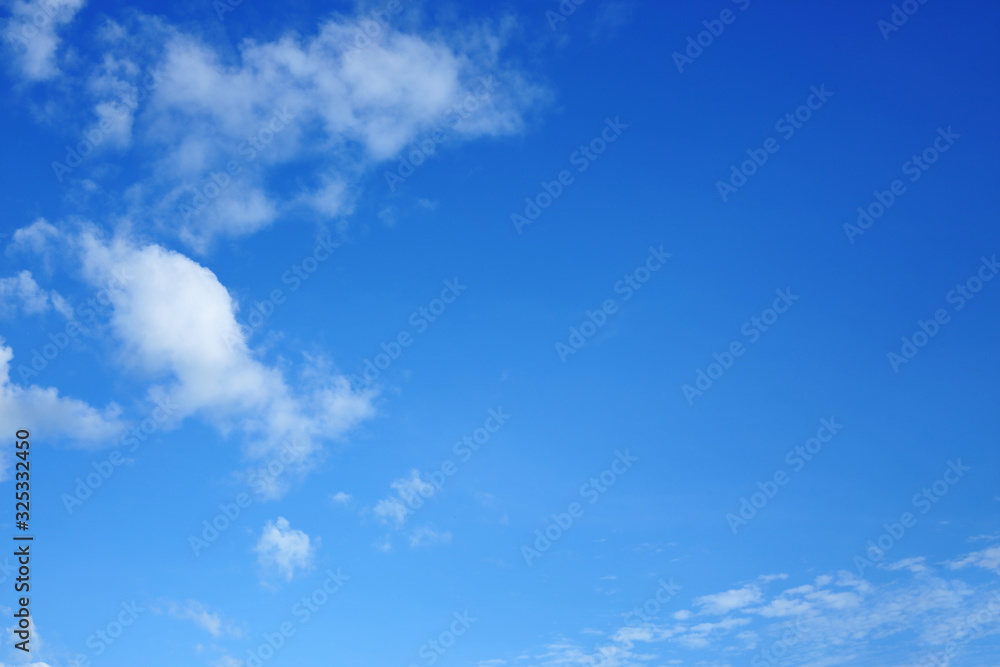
(220, 126)
(54, 417)
(837, 619)
(21, 292)
(285, 550)
(31, 34)
(176, 323)
(408, 494)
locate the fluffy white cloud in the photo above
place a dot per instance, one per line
(32, 34)
(312, 99)
(176, 322)
(285, 549)
(47, 414)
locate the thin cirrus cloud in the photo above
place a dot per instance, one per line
(209, 621)
(836, 618)
(722, 603)
(424, 536)
(988, 559)
(408, 494)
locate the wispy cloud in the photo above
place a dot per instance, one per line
(409, 494)
(423, 536)
(838, 618)
(31, 34)
(196, 612)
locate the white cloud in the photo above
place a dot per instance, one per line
(21, 291)
(915, 565)
(410, 493)
(834, 621)
(424, 536)
(297, 99)
(727, 601)
(340, 498)
(37, 238)
(32, 34)
(49, 415)
(284, 549)
(701, 635)
(195, 611)
(988, 559)
(176, 322)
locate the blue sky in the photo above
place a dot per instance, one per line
(521, 334)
